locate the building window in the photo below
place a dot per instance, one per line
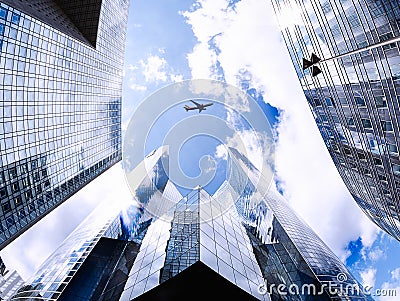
(326, 7)
(36, 176)
(336, 30)
(387, 126)
(40, 202)
(361, 156)
(31, 207)
(382, 178)
(21, 213)
(393, 149)
(359, 101)
(378, 161)
(350, 121)
(6, 207)
(396, 169)
(347, 150)
(10, 221)
(12, 173)
(39, 189)
(3, 192)
(15, 18)
(353, 20)
(366, 123)
(3, 13)
(380, 101)
(317, 103)
(15, 187)
(28, 194)
(328, 101)
(343, 101)
(367, 172)
(18, 201)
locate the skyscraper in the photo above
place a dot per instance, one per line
(346, 55)
(235, 244)
(9, 284)
(61, 74)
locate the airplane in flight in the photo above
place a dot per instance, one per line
(199, 106)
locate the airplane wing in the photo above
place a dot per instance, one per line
(196, 103)
(187, 108)
(208, 104)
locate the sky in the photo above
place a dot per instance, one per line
(238, 42)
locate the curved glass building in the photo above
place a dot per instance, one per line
(233, 245)
(61, 68)
(346, 55)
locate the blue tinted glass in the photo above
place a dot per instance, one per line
(3, 13)
(15, 18)
(1, 29)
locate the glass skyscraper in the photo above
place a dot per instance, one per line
(61, 74)
(355, 100)
(235, 244)
(9, 284)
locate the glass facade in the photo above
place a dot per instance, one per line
(9, 284)
(60, 103)
(355, 100)
(249, 242)
(102, 248)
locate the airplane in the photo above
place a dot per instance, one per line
(199, 106)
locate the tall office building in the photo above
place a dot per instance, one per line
(9, 284)
(355, 100)
(61, 74)
(233, 245)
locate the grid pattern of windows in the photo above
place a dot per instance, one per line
(106, 221)
(279, 241)
(76, 18)
(245, 244)
(58, 270)
(9, 284)
(183, 247)
(60, 107)
(361, 129)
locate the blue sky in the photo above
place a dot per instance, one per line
(240, 42)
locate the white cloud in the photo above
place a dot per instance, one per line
(396, 274)
(376, 254)
(201, 60)
(176, 78)
(156, 69)
(391, 289)
(221, 152)
(251, 41)
(137, 87)
(368, 277)
(45, 236)
(153, 69)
